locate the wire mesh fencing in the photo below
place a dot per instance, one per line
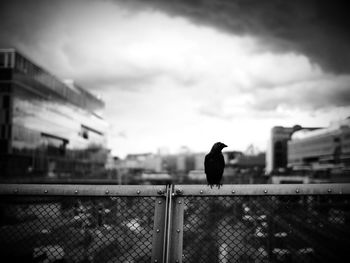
(252, 223)
(76, 229)
(271, 228)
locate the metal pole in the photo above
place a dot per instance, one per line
(159, 230)
(176, 228)
(170, 196)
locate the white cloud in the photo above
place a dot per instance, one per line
(169, 82)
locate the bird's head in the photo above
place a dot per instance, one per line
(217, 147)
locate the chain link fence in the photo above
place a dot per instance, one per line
(162, 224)
(266, 229)
(76, 229)
(265, 223)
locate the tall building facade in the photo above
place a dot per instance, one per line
(276, 153)
(47, 127)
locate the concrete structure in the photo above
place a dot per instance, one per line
(277, 148)
(276, 153)
(322, 149)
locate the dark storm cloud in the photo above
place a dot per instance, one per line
(23, 22)
(51, 32)
(318, 29)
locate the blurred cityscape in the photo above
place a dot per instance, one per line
(53, 131)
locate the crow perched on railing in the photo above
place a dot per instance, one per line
(214, 165)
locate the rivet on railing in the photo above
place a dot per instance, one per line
(138, 192)
(159, 202)
(297, 191)
(178, 230)
(15, 191)
(46, 191)
(160, 192)
(155, 261)
(265, 191)
(329, 190)
(201, 191)
(177, 261)
(107, 192)
(157, 230)
(76, 191)
(180, 202)
(233, 191)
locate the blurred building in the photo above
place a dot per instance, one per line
(325, 149)
(144, 161)
(199, 161)
(150, 168)
(244, 167)
(277, 148)
(188, 167)
(155, 178)
(48, 128)
(142, 168)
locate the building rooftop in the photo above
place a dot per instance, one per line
(333, 128)
(69, 91)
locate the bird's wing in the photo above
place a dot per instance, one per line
(221, 164)
(214, 167)
(209, 164)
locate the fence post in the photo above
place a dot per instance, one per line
(176, 231)
(159, 231)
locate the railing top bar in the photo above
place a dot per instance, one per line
(82, 190)
(185, 190)
(263, 189)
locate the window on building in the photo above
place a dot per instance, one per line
(85, 130)
(2, 59)
(3, 146)
(54, 145)
(6, 101)
(280, 154)
(7, 116)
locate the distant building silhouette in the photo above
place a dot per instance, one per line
(322, 149)
(277, 149)
(48, 128)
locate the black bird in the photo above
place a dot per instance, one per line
(214, 165)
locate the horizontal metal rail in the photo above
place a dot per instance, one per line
(263, 189)
(159, 190)
(82, 190)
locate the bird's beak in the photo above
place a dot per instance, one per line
(224, 145)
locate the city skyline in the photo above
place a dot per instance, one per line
(172, 77)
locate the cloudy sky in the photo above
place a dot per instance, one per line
(175, 73)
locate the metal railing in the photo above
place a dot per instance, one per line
(261, 223)
(82, 223)
(180, 223)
